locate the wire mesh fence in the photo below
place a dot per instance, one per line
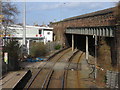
(112, 79)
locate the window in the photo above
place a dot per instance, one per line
(48, 33)
(40, 31)
(48, 40)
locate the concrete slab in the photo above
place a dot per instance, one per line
(12, 79)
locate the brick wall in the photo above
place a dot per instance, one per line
(100, 18)
(105, 17)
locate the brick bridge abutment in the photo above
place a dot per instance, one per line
(100, 18)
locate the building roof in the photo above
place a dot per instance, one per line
(101, 12)
(28, 26)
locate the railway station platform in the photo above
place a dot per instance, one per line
(15, 79)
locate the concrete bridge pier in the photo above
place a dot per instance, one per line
(72, 42)
(28, 46)
(87, 52)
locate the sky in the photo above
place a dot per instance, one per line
(45, 12)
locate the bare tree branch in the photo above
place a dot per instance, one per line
(9, 11)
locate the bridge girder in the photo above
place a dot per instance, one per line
(107, 31)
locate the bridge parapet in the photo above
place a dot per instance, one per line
(105, 31)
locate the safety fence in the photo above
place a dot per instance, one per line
(112, 79)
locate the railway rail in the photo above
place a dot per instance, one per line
(49, 77)
(55, 78)
(45, 70)
(72, 73)
(58, 78)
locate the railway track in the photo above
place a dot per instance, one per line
(49, 77)
(72, 72)
(61, 71)
(74, 61)
(39, 79)
(57, 78)
(35, 71)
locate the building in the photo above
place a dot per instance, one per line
(33, 34)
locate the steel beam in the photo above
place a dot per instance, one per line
(99, 31)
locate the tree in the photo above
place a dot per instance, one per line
(9, 10)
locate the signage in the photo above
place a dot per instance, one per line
(1, 16)
(6, 57)
(40, 35)
(36, 35)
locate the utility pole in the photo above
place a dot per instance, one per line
(62, 40)
(1, 40)
(87, 52)
(24, 49)
(24, 24)
(72, 42)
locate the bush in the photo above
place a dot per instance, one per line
(37, 49)
(57, 47)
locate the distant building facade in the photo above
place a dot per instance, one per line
(33, 34)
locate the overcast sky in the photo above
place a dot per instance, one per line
(45, 12)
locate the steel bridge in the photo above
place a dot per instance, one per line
(101, 31)
(104, 31)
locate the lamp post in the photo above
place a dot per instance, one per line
(1, 41)
(62, 40)
(24, 24)
(24, 29)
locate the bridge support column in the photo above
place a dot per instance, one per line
(72, 42)
(28, 46)
(87, 52)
